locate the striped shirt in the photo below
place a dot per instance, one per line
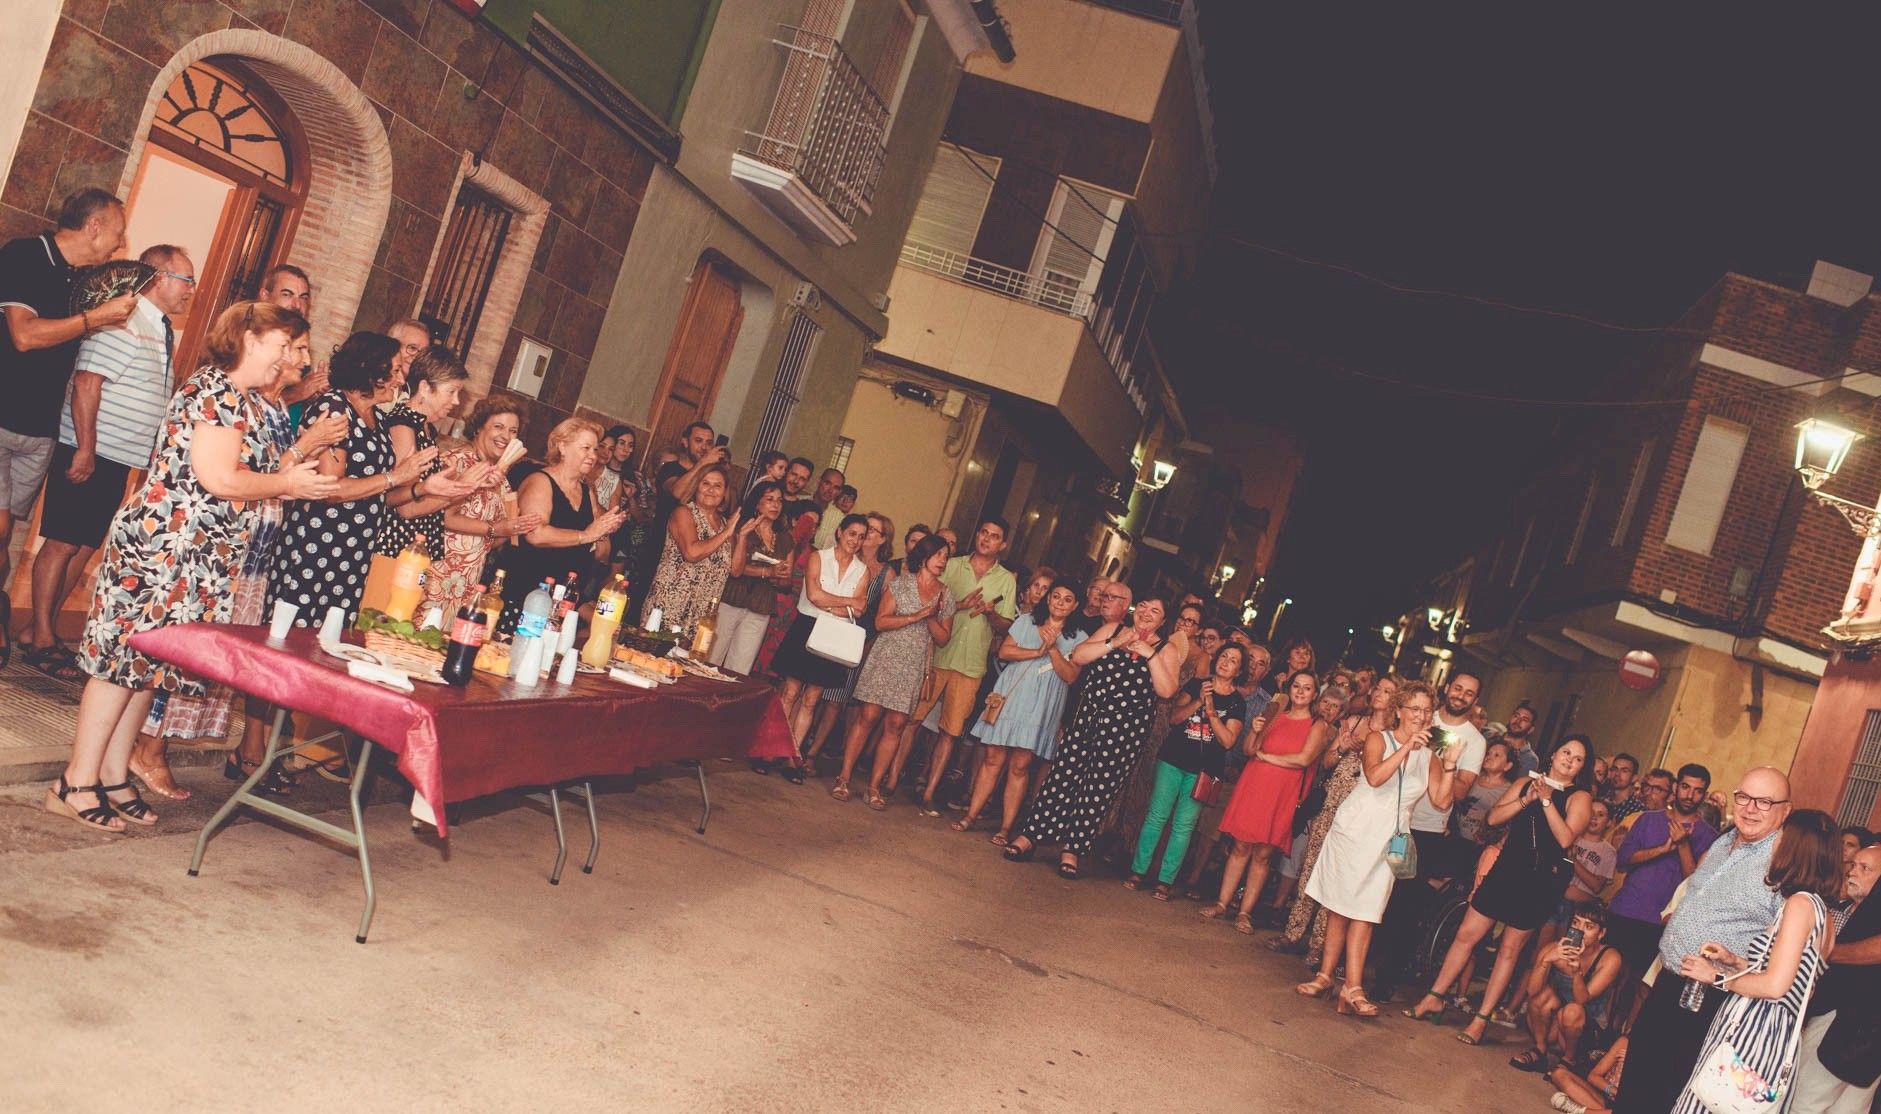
(137, 386)
(1726, 899)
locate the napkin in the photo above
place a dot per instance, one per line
(380, 675)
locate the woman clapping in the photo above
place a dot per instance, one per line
(1208, 718)
(697, 555)
(480, 523)
(760, 564)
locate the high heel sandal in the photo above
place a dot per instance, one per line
(1467, 1037)
(840, 789)
(135, 810)
(102, 816)
(276, 784)
(1314, 987)
(1352, 1001)
(1435, 1017)
(1017, 854)
(1244, 924)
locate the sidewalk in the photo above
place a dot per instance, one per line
(38, 715)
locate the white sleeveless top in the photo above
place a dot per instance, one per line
(833, 584)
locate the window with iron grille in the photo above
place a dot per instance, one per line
(466, 265)
(839, 456)
(787, 387)
(1864, 775)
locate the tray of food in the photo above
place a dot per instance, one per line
(704, 669)
(665, 670)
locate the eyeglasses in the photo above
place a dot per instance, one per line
(1757, 804)
(186, 280)
(1185, 621)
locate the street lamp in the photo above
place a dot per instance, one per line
(1821, 447)
(1161, 472)
(1225, 576)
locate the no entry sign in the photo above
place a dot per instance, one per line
(1639, 670)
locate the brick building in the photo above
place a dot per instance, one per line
(1679, 527)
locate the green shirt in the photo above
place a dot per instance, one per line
(966, 651)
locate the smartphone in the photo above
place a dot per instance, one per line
(1574, 938)
(724, 439)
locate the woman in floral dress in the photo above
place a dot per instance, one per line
(697, 556)
(478, 525)
(172, 553)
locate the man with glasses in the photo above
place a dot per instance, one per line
(121, 384)
(1660, 850)
(1727, 901)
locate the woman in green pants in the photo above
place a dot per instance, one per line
(1208, 716)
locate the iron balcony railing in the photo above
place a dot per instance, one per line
(827, 125)
(1046, 293)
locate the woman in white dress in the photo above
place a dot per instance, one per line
(1352, 881)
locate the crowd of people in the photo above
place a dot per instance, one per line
(1643, 931)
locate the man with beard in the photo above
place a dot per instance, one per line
(796, 483)
(1837, 1067)
(1660, 850)
(1520, 737)
(1440, 856)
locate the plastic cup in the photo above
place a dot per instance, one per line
(282, 620)
(333, 625)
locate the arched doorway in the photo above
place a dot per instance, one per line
(223, 174)
(341, 186)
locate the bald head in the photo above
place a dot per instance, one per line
(1754, 819)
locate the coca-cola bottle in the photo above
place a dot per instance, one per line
(460, 650)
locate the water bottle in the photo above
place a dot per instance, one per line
(531, 625)
(1692, 997)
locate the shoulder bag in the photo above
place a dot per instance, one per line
(1401, 852)
(1727, 1085)
(837, 640)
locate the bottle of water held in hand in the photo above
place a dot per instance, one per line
(1692, 996)
(531, 625)
(460, 652)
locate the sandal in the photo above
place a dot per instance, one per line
(1017, 854)
(1244, 924)
(1068, 869)
(161, 780)
(1215, 912)
(1534, 1060)
(1470, 1038)
(928, 808)
(335, 770)
(1314, 987)
(761, 766)
(877, 801)
(840, 790)
(101, 816)
(1133, 881)
(1352, 1001)
(1161, 892)
(1435, 1017)
(999, 838)
(135, 810)
(56, 662)
(790, 773)
(964, 824)
(275, 784)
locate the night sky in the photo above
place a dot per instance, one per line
(1613, 171)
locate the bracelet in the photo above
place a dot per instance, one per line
(298, 455)
(84, 315)
(489, 531)
(416, 492)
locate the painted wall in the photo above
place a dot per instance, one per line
(1711, 726)
(1850, 688)
(900, 464)
(646, 45)
(1614, 716)
(1173, 193)
(1084, 53)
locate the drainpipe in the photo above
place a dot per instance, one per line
(994, 28)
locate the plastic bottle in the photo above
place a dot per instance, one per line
(491, 603)
(531, 625)
(608, 608)
(460, 652)
(705, 634)
(408, 581)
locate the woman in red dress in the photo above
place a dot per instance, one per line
(1260, 814)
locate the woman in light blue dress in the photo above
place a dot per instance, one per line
(1035, 674)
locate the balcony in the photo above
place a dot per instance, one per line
(1004, 329)
(816, 163)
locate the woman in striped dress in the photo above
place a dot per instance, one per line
(1770, 985)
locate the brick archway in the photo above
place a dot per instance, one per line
(349, 189)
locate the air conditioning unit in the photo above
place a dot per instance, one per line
(807, 296)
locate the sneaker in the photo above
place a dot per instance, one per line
(1566, 1105)
(1502, 1017)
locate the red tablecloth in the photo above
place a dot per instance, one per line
(454, 744)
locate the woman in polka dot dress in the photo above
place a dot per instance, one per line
(326, 547)
(1128, 666)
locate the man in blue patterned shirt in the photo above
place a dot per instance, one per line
(1726, 900)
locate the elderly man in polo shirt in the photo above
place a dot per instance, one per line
(1726, 900)
(121, 384)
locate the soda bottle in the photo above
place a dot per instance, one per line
(705, 633)
(608, 608)
(491, 603)
(460, 651)
(531, 625)
(408, 580)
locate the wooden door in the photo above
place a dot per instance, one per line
(695, 362)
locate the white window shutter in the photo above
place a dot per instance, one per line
(953, 201)
(1708, 483)
(1082, 221)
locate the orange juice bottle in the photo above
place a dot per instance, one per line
(608, 607)
(408, 581)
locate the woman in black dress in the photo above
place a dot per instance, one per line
(573, 536)
(432, 389)
(1128, 666)
(1545, 814)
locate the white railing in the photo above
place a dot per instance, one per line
(1045, 293)
(826, 126)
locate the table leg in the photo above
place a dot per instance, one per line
(705, 799)
(355, 793)
(561, 837)
(241, 792)
(594, 826)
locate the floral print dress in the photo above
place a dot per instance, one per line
(173, 549)
(453, 575)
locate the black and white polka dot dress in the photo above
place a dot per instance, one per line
(326, 548)
(1115, 716)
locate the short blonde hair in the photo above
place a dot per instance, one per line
(567, 430)
(224, 345)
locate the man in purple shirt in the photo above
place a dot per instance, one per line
(1661, 850)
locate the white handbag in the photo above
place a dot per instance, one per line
(1726, 1085)
(837, 640)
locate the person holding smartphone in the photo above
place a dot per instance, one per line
(1570, 988)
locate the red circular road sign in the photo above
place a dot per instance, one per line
(1639, 670)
